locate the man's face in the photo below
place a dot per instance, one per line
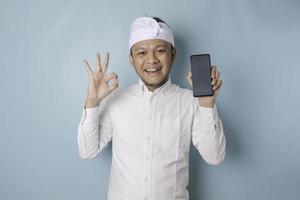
(152, 61)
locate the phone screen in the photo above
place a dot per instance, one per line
(201, 79)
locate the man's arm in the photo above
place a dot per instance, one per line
(94, 132)
(207, 134)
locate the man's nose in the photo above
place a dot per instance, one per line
(152, 58)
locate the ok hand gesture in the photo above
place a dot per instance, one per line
(99, 82)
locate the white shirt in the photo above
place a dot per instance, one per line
(151, 134)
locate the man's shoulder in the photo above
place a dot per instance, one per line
(182, 91)
(119, 95)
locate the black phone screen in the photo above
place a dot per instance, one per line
(201, 79)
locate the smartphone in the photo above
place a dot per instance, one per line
(201, 79)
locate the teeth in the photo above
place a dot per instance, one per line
(152, 69)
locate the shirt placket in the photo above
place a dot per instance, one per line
(149, 146)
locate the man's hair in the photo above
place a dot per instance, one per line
(157, 19)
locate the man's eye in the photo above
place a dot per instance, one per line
(161, 51)
(141, 53)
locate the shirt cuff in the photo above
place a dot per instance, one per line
(210, 114)
(91, 114)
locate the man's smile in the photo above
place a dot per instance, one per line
(152, 69)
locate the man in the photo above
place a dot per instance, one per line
(151, 123)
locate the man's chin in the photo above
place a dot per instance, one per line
(154, 84)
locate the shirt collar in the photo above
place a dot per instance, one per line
(144, 91)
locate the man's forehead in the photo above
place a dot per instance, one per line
(151, 43)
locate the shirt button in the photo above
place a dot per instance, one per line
(150, 116)
(146, 179)
(147, 157)
(148, 138)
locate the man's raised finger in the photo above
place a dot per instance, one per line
(98, 63)
(88, 68)
(105, 64)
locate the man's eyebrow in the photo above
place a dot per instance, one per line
(143, 47)
(162, 45)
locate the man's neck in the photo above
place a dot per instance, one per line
(153, 88)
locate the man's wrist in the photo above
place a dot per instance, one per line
(91, 104)
(207, 103)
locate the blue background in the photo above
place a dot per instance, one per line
(255, 44)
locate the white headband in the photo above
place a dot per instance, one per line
(145, 28)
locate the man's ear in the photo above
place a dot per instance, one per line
(131, 59)
(173, 55)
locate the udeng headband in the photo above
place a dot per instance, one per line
(145, 28)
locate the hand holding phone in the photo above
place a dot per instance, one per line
(201, 75)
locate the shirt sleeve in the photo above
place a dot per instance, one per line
(94, 131)
(208, 135)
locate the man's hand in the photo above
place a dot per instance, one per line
(99, 86)
(216, 83)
